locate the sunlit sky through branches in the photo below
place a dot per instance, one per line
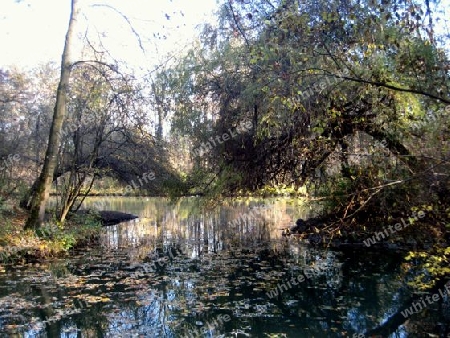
(32, 32)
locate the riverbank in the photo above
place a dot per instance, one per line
(51, 241)
(419, 230)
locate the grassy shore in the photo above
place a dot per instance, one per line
(52, 240)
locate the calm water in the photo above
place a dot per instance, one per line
(181, 272)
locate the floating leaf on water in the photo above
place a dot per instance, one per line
(326, 307)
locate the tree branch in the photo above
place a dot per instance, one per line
(396, 88)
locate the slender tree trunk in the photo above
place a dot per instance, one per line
(159, 97)
(41, 193)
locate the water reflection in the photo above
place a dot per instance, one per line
(180, 271)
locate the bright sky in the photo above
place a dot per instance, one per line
(32, 32)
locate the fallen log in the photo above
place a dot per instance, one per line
(109, 217)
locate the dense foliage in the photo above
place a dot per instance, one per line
(352, 97)
(344, 101)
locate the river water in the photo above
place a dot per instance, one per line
(179, 271)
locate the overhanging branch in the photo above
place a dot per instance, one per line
(396, 88)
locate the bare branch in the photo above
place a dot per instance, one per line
(128, 22)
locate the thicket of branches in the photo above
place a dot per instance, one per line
(348, 97)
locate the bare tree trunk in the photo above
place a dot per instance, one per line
(74, 185)
(41, 194)
(159, 97)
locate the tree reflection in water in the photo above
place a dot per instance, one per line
(206, 270)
